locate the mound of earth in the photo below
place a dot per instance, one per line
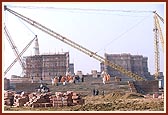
(132, 96)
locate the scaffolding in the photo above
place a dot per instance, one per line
(44, 67)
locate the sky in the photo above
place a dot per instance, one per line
(112, 28)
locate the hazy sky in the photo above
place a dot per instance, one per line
(118, 31)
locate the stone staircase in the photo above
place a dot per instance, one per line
(90, 83)
(134, 88)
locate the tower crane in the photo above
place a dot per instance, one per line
(27, 46)
(157, 34)
(75, 45)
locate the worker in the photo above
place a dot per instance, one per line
(32, 79)
(63, 80)
(73, 79)
(103, 75)
(96, 92)
(52, 81)
(82, 79)
(41, 79)
(93, 92)
(69, 79)
(77, 78)
(59, 78)
(56, 81)
(104, 80)
(103, 93)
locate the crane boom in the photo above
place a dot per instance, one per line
(19, 55)
(75, 45)
(11, 42)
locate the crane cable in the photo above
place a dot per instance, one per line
(89, 11)
(82, 9)
(121, 35)
(26, 26)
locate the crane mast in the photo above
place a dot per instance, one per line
(75, 45)
(159, 29)
(156, 46)
(157, 34)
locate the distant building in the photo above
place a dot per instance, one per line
(6, 84)
(94, 73)
(44, 67)
(80, 74)
(71, 68)
(135, 63)
(18, 79)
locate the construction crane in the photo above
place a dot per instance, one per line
(75, 45)
(157, 34)
(27, 46)
(11, 42)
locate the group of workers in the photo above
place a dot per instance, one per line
(66, 79)
(105, 77)
(76, 78)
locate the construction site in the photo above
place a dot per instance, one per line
(49, 82)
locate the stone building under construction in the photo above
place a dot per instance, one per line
(45, 67)
(135, 63)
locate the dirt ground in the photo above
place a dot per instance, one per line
(123, 102)
(115, 101)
